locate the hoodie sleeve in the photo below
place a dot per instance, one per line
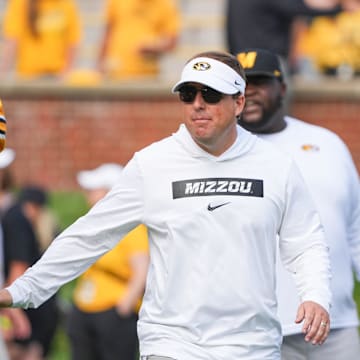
(303, 248)
(82, 243)
(353, 216)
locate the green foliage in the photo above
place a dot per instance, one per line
(357, 296)
(68, 206)
(60, 348)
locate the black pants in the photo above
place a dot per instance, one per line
(44, 321)
(102, 335)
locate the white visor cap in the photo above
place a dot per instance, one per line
(103, 177)
(212, 73)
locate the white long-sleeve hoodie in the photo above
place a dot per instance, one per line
(213, 224)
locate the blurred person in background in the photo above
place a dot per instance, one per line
(102, 323)
(330, 45)
(330, 173)
(137, 34)
(40, 38)
(268, 24)
(13, 323)
(22, 249)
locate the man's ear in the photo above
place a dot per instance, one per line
(239, 103)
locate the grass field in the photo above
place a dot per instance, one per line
(68, 206)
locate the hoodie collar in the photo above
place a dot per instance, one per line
(243, 143)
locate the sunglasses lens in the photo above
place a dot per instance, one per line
(187, 94)
(211, 96)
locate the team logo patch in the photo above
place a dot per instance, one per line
(201, 66)
(217, 186)
(310, 147)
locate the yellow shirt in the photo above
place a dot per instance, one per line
(349, 26)
(105, 282)
(334, 41)
(135, 23)
(58, 28)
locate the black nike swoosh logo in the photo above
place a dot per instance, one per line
(212, 208)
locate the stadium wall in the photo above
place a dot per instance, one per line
(58, 131)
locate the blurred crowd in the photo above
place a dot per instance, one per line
(329, 44)
(42, 39)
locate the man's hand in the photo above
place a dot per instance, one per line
(316, 322)
(5, 298)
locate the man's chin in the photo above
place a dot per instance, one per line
(249, 121)
(252, 116)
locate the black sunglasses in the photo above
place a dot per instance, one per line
(187, 94)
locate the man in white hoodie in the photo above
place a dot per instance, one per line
(214, 198)
(328, 169)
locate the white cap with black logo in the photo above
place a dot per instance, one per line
(213, 73)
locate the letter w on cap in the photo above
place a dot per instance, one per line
(247, 60)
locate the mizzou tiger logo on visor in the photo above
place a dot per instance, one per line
(201, 66)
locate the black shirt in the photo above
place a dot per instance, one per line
(20, 242)
(265, 24)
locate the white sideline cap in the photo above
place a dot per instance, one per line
(103, 177)
(7, 156)
(213, 73)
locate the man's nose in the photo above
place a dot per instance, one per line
(199, 102)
